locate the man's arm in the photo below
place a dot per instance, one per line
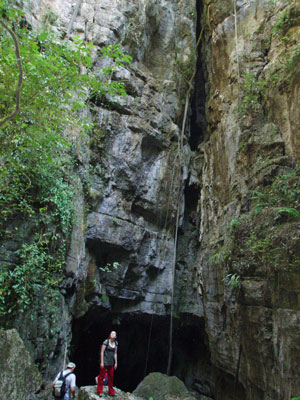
(72, 388)
(73, 385)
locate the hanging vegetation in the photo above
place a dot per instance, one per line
(42, 92)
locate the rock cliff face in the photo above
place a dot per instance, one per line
(251, 138)
(132, 189)
(235, 333)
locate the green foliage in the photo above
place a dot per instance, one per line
(52, 77)
(18, 286)
(286, 68)
(133, 31)
(282, 196)
(265, 241)
(104, 298)
(110, 267)
(268, 236)
(216, 258)
(233, 280)
(252, 94)
(220, 256)
(257, 244)
(287, 20)
(233, 224)
(37, 164)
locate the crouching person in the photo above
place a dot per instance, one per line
(64, 384)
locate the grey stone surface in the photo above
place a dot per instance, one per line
(243, 151)
(90, 393)
(19, 376)
(163, 387)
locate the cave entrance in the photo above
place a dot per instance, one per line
(143, 347)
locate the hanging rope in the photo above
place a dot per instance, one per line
(64, 333)
(237, 370)
(179, 197)
(148, 348)
(236, 41)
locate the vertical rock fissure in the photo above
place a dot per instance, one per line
(181, 178)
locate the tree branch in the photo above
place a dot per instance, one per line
(17, 51)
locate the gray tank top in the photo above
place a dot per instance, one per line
(109, 352)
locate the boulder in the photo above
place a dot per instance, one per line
(89, 393)
(19, 376)
(163, 387)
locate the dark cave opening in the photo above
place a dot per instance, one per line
(191, 197)
(136, 358)
(143, 346)
(227, 385)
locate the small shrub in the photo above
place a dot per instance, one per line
(234, 281)
(252, 94)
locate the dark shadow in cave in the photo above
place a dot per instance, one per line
(132, 334)
(226, 386)
(191, 198)
(191, 353)
(138, 353)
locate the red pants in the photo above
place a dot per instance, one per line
(110, 373)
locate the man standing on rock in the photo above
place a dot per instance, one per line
(69, 378)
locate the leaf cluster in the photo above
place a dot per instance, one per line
(252, 94)
(282, 196)
(287, 20)
(233, 281)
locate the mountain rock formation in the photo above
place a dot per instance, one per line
(218, 182)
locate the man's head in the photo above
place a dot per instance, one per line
(71, 366)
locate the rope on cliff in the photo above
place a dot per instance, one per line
(64, 332)
(148, 348)
(75, 13)
(20, 81)
(238, 369)
(179, 195)
(236, 41)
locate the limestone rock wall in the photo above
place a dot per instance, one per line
(127, 198)
(133, 180)
(252, 137)
(20, 377)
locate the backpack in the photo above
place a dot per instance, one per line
(105, 380)
(59, 387)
